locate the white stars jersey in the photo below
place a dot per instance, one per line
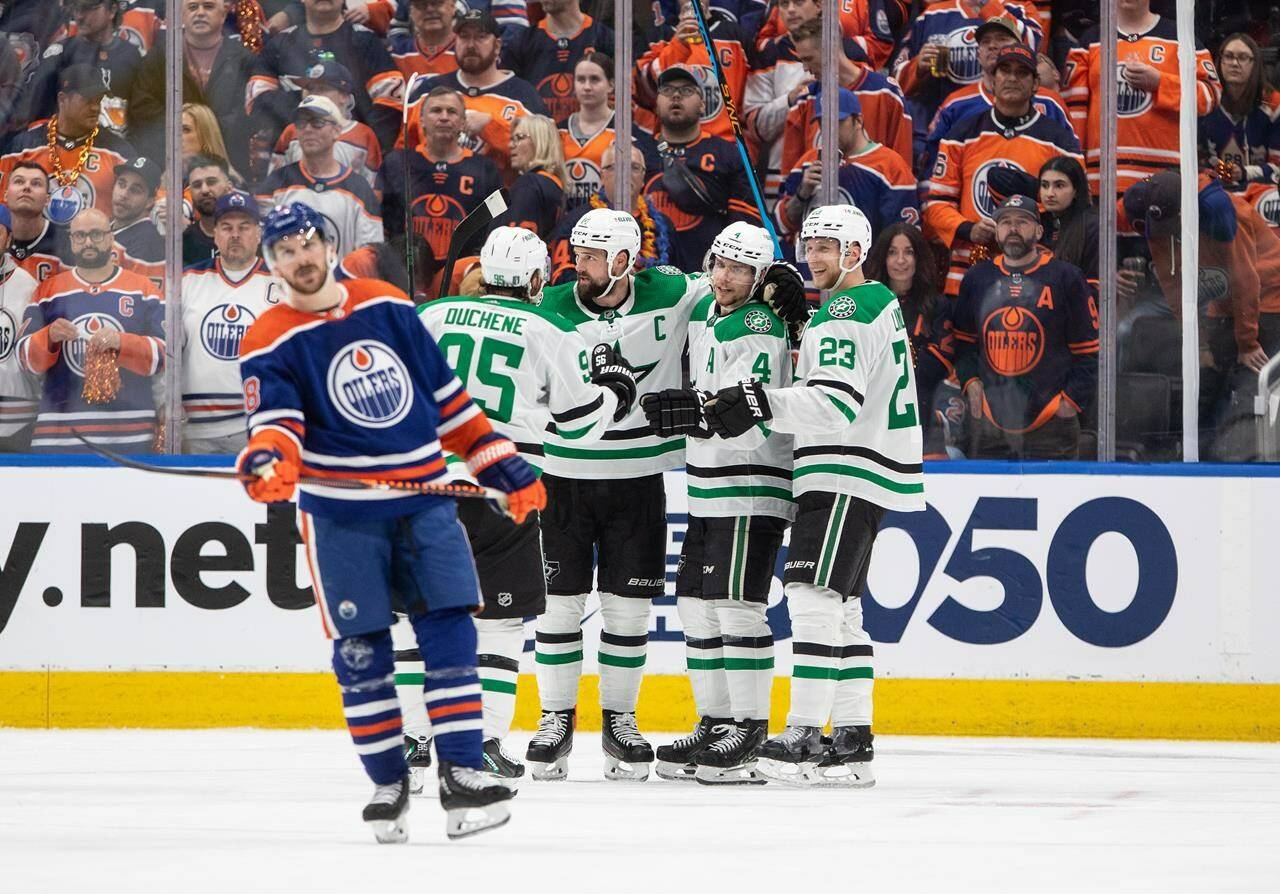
(216, 313)
(750, 475)
(19, 389)
(853, 408)
(524, 366)
(649, 330)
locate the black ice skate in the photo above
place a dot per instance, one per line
(417, 754)
(675, 761)
(626, 753)
(504, 769)
(472, 800)
(793, 756)
(548, 751)
(731, 758)
(847, 762)
(386, 812)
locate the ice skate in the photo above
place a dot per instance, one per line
(548, 751)
(386, 812)
(472, 801)
(626, 753)
(731, 758)
(417, 754)
(793, 756)
(847, 762)
(675, 761)
(503, 768)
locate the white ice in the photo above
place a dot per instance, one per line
(235, 811)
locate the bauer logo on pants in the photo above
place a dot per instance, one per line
(369, 385)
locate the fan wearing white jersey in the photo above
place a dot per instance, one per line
(857, 454)
(19, 389)
(525, 367)
(221, 299)
(739, 507)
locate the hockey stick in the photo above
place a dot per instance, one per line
(737, 127)
(406, 198)
(457, 491)
(463, 233)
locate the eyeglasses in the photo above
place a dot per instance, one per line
(1238, 58)
(520, 137)
(312, 123)
(90, 236)
(678, 92)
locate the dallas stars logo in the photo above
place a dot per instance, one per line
(841, 307)
(758, 321)
(640, 369)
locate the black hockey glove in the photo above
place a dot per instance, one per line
(783, 290)
(734, 410)
(610, 370)
(675, 411)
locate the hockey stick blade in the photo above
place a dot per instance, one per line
(484, 215)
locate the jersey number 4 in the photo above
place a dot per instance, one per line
(460, 350)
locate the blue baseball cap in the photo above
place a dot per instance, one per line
(6, 219)
(236, 202)
(849, 104)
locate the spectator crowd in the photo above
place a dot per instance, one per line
(969, 134)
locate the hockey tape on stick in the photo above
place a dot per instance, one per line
(732, 111)
(478, 220)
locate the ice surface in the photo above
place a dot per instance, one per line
(234, 811)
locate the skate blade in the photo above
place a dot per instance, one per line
(744, 775)
(674, 772)
(394, 831)
(548, 772)
(417, 780)
(621, 771)
(798, 775)
(844, 776)
(463, 822)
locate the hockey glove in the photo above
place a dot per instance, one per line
(734, 410)
(609, 369)
(783, 290)
(675, 411)
(266, 474)
(494, 463)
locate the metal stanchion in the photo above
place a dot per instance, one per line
(832, 51)
(1107, 307)
(173, 183)
(623, 200)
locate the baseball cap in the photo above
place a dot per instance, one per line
(320, 107)
(6, 219)
(145, 168)
(676, 73)
(1018, 204)
(1019, 53)
(87, 80)
(1006, 23)
(335, 74)
(236, 202)
(478, 18)
(1155, 204)
(848, 101)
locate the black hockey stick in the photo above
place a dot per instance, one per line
(457, 491)
(463, 233)
(407, 198)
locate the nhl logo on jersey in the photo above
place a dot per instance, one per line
(88, 325)
(8, 334)
(841, 307)
(369, 385)
(757, 321)
(223, 327)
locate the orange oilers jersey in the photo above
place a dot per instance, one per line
(1265, 199)
(41, 256)
(956, 197)
(97, 177)
(733, 62)
(583, 158)
(412, 58)
(1147, 129)
(357, 148)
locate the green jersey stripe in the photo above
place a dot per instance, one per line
(616, 453)
(855, 673)
(710, 493)
(865, 475)
(619, 660)
(748, 664)
(498, 686)
(807, 672)
(705, 664)
(564, 658)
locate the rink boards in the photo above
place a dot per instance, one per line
(1033, 600)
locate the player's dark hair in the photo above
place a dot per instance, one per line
(1076, 241)
(33, 165)
(1255, 87)
(207, 161)
(922, 297)
(603, 61)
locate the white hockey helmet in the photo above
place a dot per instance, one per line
(746, 244)
(608, 230)
(844, 223)
(510, 257)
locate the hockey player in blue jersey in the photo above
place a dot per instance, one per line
(341, 381)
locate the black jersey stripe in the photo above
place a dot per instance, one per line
(741, 470)
(860, 453)
(498, 662)
(617, 639)
(819, 650)
(531, 449)
(580, 411)
(838, 386)
(748, 642)
(551, 638)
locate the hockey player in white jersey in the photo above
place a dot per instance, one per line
(857, 454)
(526, 367)
(739, 507)
(221, 298)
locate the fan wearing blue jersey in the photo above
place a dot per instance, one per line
(341, 381)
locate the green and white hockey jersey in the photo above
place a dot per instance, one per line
(648, 329)
(853, 410)
(751, 474)
(525, 366)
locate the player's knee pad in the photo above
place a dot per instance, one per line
(814, 607)
(447, 638)
(854, 631)
(563, 613)
(500, 636)
(624, 615)
(697, 617)
(365, 661)
(738, 618)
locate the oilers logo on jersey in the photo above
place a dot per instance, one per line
(369, 385)
(1267, 204)
(1014, 340)
(1214, 284)
(962, 55)
(223, 327)
(8, 334)
(712, 98)
(89, 325)
(68, 201)
(1131, 101)
(982, 199)
(584, 180)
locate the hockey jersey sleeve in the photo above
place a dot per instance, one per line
(274, 413)
(36, 352)
(1082, 342)
(964, 329)
(1208, 89)
(580, 410)
(942, 217)
(831, 395)
(143, 352)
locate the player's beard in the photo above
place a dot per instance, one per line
(295, 282)
(590, 291)
(1014, 248)
(474, 63)
(89, 257)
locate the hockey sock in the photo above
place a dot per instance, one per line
(623, 644)
(500, 643)
(558, 651)
(856, 677)
(409, 679)
(816, 615)
(748, 657)
(704, 655)
(447, 641)
(366, 676)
